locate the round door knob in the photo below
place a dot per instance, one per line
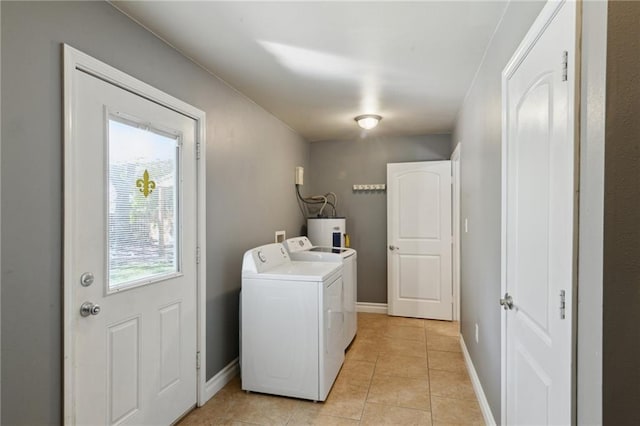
(507, 302)
(88, 308)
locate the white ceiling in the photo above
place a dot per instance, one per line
(316, 65)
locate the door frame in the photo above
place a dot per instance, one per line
(455, 229)
(77, 60)
(542, 21)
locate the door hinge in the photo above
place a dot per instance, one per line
(565, 65)
(197, 255)
(198, 360)
(197, 150)
(562, 304)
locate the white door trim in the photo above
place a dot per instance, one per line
(455, 228)
(74, 59)
(541, 23)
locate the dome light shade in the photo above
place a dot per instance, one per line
(368, 121)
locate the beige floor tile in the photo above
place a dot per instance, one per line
(406, 322)
(371, 333)
(378, 414)
(363, 350)
(214, 411)
(403, 347)
(437, 342)
(402, 366)
(356, 372)
(400, 391)
(310, 416)
(194, 420)
(448, 361)
(442, 328)
(261, 409)
(374, 321)
(344, 400)
(405, 332)
(456, 411)
(449, 384)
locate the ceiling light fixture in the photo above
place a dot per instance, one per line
(368, 121)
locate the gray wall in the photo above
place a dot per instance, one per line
(338, 165)
(621, 355)
(478, 128)
(250, 162)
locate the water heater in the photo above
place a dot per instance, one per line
(327, 231)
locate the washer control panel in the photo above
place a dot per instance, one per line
(265, 257)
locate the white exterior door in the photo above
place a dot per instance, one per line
(539, 154)
(419, 239)
(131, 209)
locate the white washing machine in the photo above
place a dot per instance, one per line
(291, 324)
(300, 248)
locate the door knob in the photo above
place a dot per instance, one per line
(391, 247)
(88, 308)
(507, 302)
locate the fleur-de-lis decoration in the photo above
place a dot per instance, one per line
(146, 186)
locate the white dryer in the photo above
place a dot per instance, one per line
(300, 248)
(291, 324)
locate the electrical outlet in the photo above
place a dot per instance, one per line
(281, 236)
(477, 333)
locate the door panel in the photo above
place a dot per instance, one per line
(170, 334)
(532, 388)
(123, 359)
(419, 277)
(539, 152)
(418, 206)
(135, 188)
(419, 239)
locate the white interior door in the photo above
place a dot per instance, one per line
(132, 200)
(538, 224)
(419, 239)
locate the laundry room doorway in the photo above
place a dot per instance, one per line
(133, 238)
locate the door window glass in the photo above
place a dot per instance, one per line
(143, 228)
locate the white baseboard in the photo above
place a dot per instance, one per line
(218, 381)
(477, 386)
(372, 308)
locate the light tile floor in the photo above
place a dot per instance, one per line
(402, 371)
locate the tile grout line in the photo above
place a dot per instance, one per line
(426, 343)
(375, 366)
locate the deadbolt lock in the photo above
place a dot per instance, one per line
(86, 279)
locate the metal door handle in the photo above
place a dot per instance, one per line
(507, 301)
(88, 308)
(392, 247)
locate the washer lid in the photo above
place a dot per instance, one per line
(297, 271)
(336, 250)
